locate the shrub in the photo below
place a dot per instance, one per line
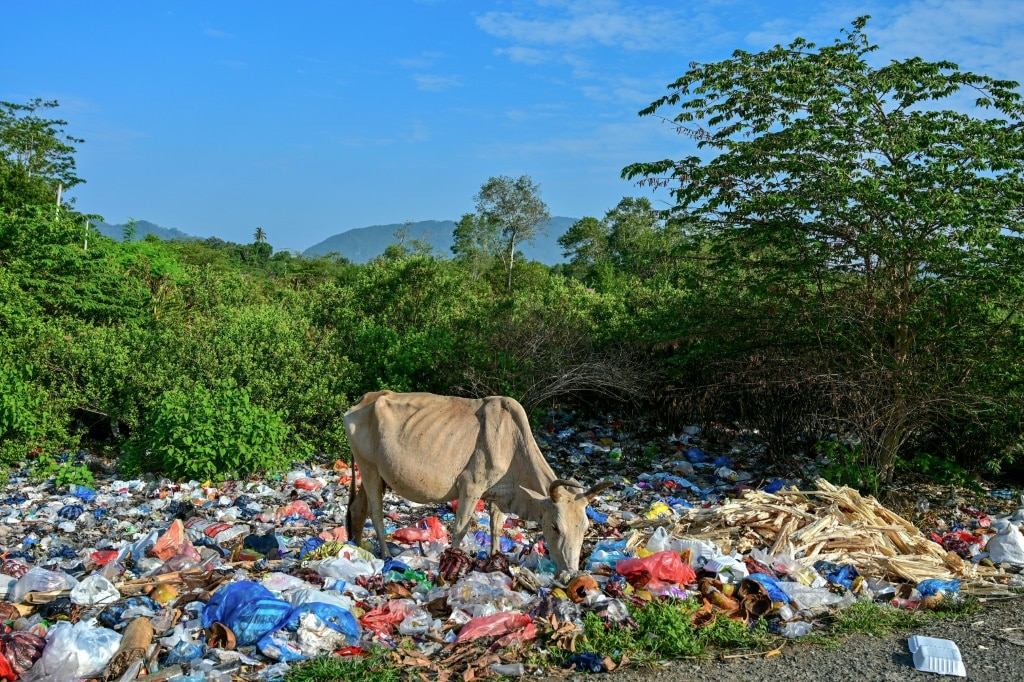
(202, 433)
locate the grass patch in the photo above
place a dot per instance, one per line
(878, 620)
(375, 667)
(664, 632)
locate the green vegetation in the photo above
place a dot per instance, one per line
(843, 264)
(376, 667)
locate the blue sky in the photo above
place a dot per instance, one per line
(311, 118)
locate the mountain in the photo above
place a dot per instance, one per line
(142, 228)
(363, 244)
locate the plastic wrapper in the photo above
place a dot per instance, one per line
(171, 542)
(663, 566)
(386, 617)
(73, 652)
(38, 579)
(806, 597)
(94, 589)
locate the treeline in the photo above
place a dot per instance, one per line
(841, 269)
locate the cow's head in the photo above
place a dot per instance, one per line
(564, 519)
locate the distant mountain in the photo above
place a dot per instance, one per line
(363, 244)
(142, 228)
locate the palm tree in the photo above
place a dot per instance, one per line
(259, 235)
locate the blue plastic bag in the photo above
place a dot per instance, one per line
(248, 609)
(775, 486)
(933, 586)
(334, 616)
(596, 516)
(771, 586)
(696, 455)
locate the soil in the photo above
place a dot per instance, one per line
(991, 643)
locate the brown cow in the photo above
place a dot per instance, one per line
(431, 448)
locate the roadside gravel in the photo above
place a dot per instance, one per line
(991, 643)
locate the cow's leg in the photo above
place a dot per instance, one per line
(373, 486)
(357, 515)
(497, 523)
(469, 494)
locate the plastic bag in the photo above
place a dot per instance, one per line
(331, 616)
(38, 579)
(171, 542)
(806, 597)
(662, 566)
(481, 594)
(1007, 546)
(19, 650)
(499, 624)
(94, 589)
(73, 652)
(248, 609)
(348, 569)
(308, 595)
(428, 530)
(383, 619)
(771, 586)
(934, 586)
(607, 553)
(660, 541)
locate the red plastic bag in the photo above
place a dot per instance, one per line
(383, 619)
(427, 530)
(479, 505)
(514, 627)
(664, 566)
(172, 542)
(308, 484)
(102, 557)
(296, 508)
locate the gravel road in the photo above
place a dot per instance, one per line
(991, 643)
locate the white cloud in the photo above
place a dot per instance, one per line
(524, 55)
(436, 83)
(421, 61)
(211, 32)
(603, 23)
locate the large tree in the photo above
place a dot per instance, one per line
(509, 212)
(882, 228)
(36, 154)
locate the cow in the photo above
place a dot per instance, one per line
(430, 448)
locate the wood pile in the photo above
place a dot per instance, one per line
(830, 524)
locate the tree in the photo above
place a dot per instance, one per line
(476, 243)
(509, 211)
(884, 230)
(259, 236)
(38, 145)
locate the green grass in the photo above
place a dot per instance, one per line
(664, 632)
(879, 620)
(375, 667)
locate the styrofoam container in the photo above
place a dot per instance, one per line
(934, 655)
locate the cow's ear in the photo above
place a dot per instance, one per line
(539, 497)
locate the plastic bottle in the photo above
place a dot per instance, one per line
(509, 669)
(797, 628)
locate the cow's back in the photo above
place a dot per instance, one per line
(420, 443)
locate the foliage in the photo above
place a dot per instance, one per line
(938, 470)
(509, 211)
(875, 235)
(63, 473)
(28, 421)
(202, 433)
(37, 145)
(846, 466)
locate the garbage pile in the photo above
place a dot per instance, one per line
(159, 580)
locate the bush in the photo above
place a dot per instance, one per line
(201, 433)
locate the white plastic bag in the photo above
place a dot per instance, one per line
(94, 589)
(1007, 546)
(73, 652)
(349, 569)
(41, 580)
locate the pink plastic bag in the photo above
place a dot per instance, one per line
(514, 627)
(664, 566)
(427, 530)
(308, 484)
(383, 619)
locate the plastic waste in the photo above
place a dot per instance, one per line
(935, 655)
(481, 594)
(499, 625)
(73, 652)
(349, 569)
(663, 566)
(508, 669)
(796, 628)
(94, 589)
(38, 579)
(806, 597)
(934, 586)
(1007, 546)
(248, 609)
(428, 530)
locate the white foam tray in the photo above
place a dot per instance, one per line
(934, 655)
